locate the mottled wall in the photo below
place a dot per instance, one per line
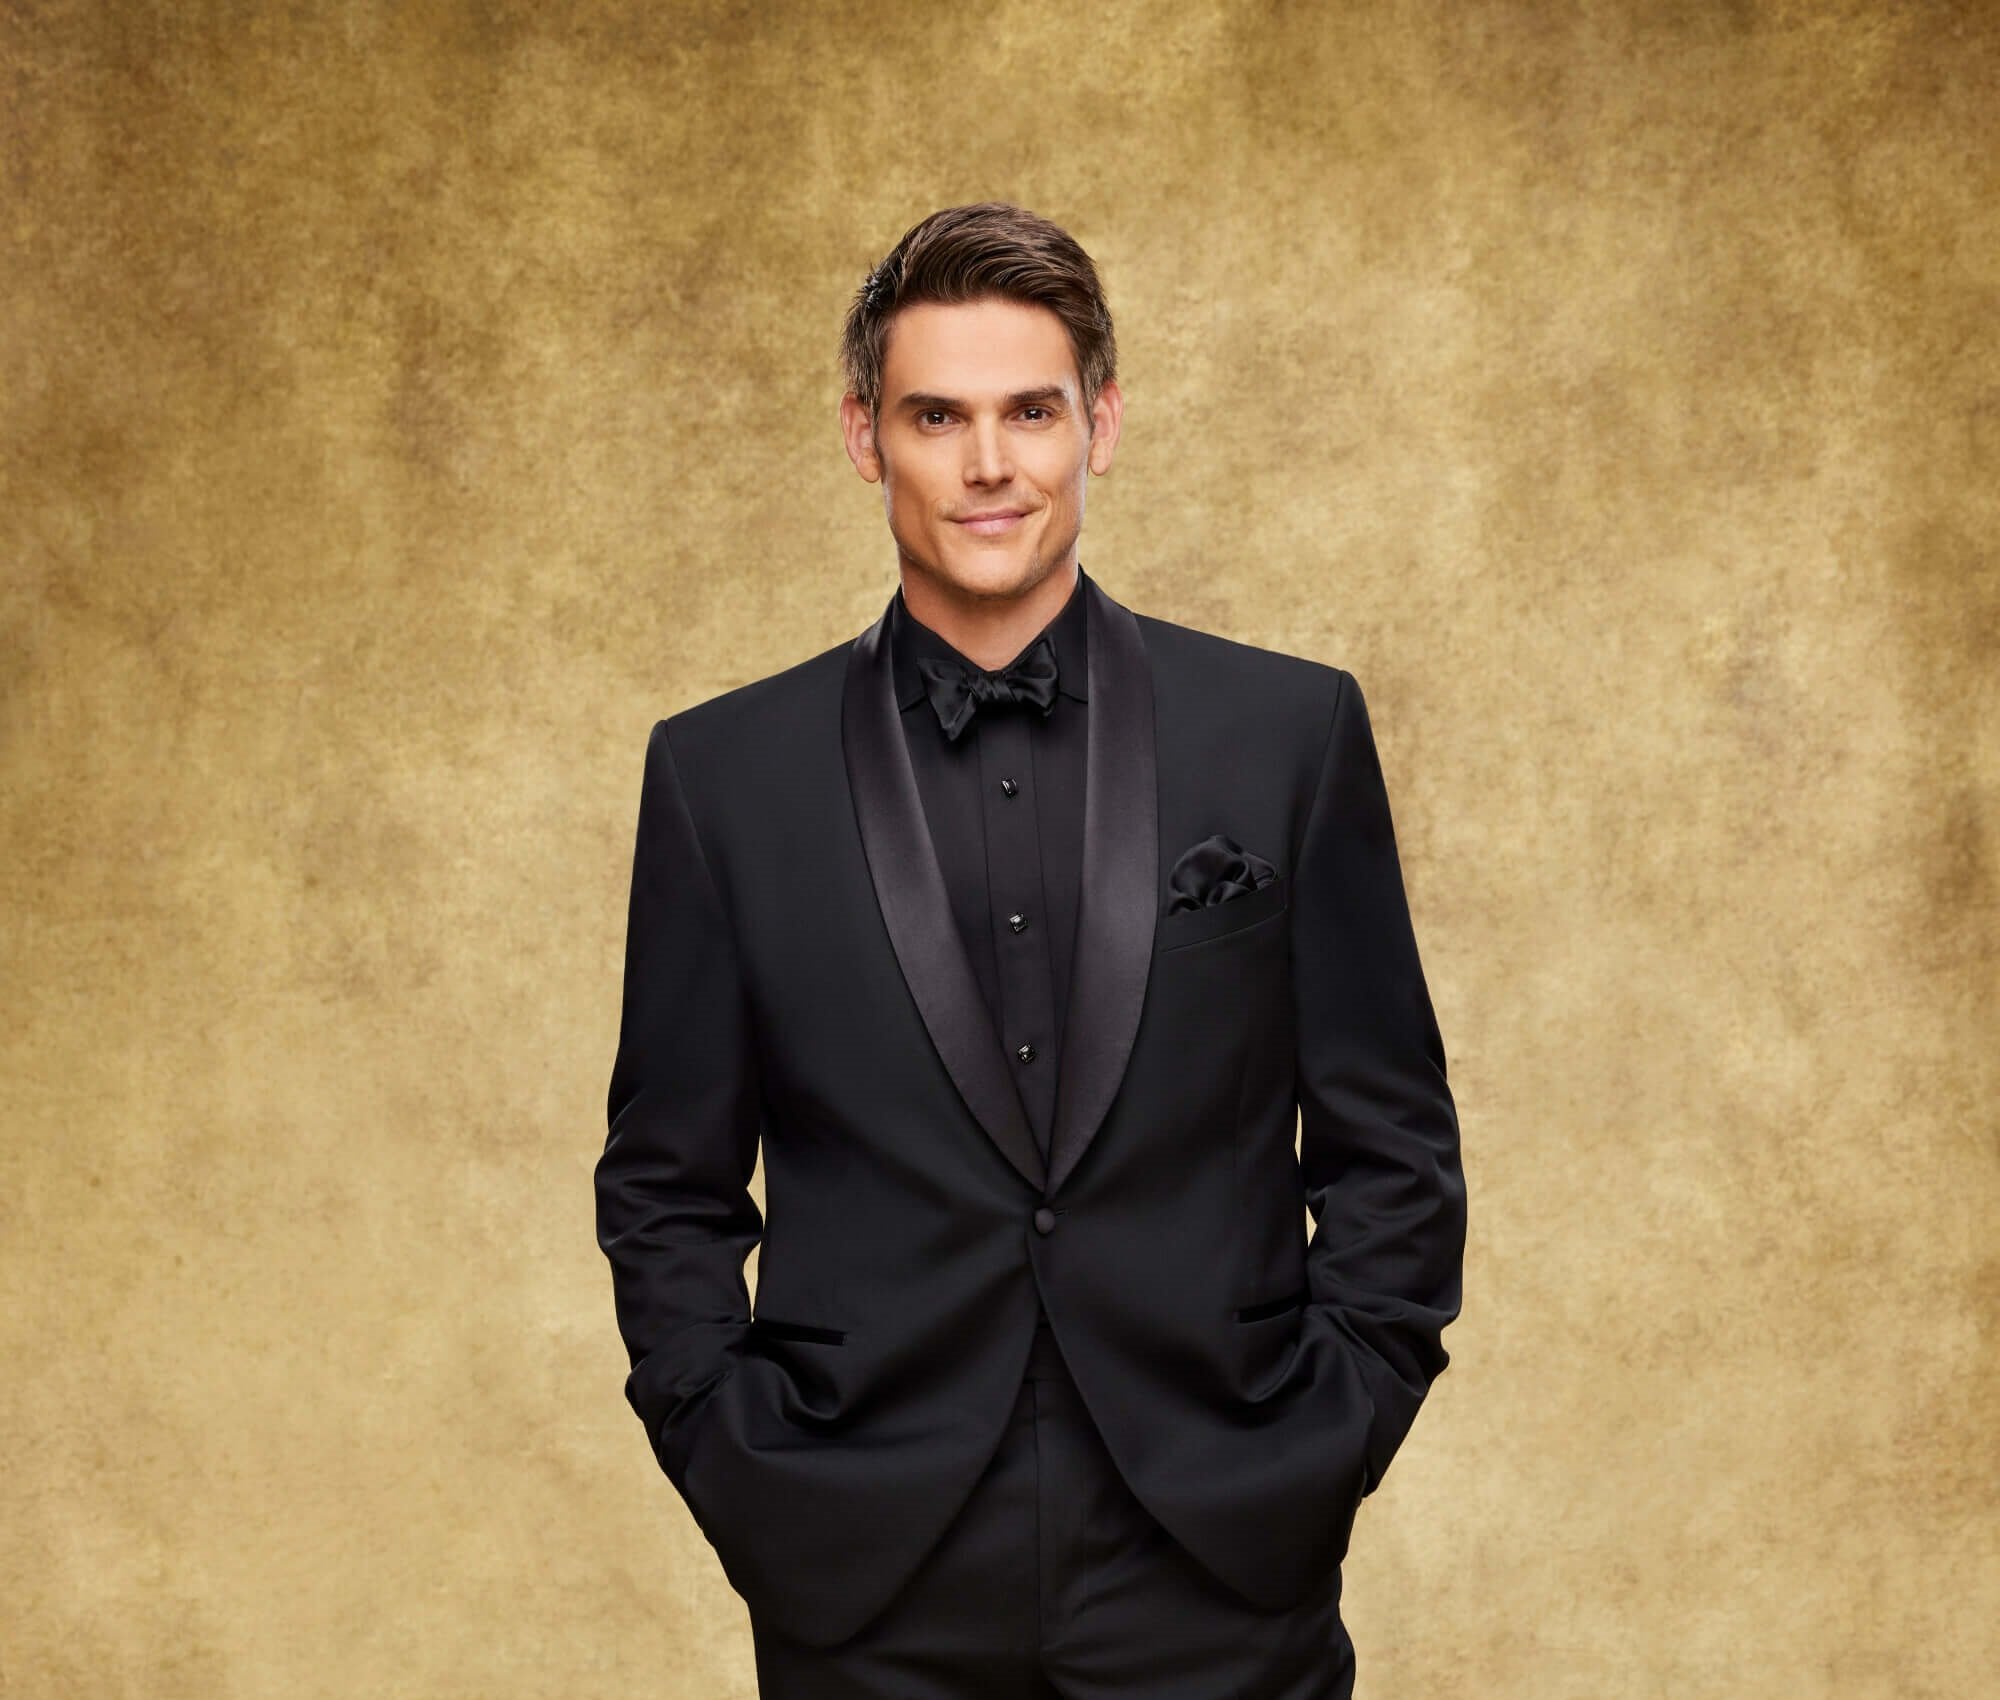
(405, 406)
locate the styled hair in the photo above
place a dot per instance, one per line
(968, 253)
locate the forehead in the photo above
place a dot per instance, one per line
(975, 350)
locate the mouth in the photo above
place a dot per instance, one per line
(993, 522)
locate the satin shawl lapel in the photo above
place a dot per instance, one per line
(1117, 905)
(1118, 901)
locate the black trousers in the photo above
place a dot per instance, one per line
(1055, 1583)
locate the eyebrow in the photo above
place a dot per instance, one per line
(920, 399)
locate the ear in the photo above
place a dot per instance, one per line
(1106, 413)
(857, 433)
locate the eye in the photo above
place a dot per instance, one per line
(929, 413)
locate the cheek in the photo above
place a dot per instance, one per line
(1063, 493)
(913, 508)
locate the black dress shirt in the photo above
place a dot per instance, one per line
(1005, 807)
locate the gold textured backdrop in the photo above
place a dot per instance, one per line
(404, 406)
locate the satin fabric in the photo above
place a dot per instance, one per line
(958, 690)
(1213, 871)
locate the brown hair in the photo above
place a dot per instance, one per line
(970, 252)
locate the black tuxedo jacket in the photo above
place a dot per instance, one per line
(794, 978)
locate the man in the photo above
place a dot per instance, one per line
(1025, 933)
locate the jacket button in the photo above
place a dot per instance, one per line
(1025, 1052)
(1045, 1219)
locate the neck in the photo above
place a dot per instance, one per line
(989, 630)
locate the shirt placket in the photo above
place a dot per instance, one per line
(1018, 912)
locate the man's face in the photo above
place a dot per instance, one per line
(982, 413)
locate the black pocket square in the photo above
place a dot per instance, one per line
(1213, 871)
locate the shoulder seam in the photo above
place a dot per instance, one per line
(1325, 749)
(700, 848)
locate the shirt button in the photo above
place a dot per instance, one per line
(1008, 786)
(1045, 1219)
(1017, 920)
(1025, 1052)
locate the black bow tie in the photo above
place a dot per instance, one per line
(958, 691)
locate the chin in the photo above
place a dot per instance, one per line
(990, 572)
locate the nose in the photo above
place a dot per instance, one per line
(986, 459)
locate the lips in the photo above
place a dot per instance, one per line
(994, 524)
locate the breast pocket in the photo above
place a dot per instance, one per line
(1212, 921)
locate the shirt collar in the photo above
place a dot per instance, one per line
(910, 638)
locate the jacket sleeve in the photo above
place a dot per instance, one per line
(1379, 1145)
(674, 1211)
